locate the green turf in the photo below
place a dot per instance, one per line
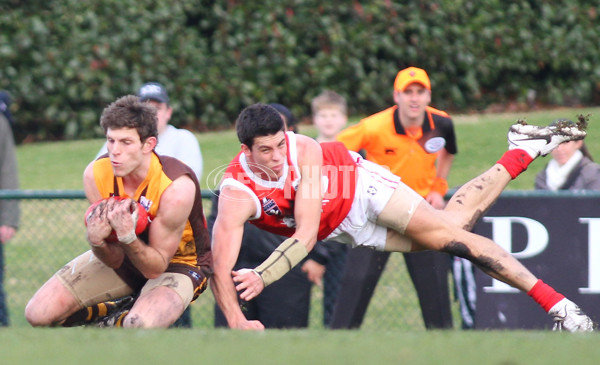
(115, 346)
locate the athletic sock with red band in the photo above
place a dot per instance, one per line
(545, 295)
(515, 161)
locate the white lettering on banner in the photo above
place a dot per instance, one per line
(593, 256)
(537, 241)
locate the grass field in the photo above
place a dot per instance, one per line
(481, 141)
(116, 346)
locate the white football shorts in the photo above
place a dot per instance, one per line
(374, 187)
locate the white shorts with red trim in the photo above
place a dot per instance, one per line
(374, 187)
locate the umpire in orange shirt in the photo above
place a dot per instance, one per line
(417, 143)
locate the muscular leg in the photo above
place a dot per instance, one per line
(448, 230)
(526, 143)
(83, 281)
(414, 225)
(157, 308)
(464, 209)
(474, 198)
(430, 230)
(51, 304)
(161, 302)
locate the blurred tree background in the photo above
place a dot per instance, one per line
(64, 60)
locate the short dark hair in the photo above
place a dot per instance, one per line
(129, 112)
(258, 120)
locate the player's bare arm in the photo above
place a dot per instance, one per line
(165, 232)
(307, 208)
(89, 185)
(307, 215)
(235, 208)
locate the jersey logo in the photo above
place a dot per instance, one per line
(193, 274)
(270, 207)
(371, 190)
(390, 151)
(146, 203)
(434, 144)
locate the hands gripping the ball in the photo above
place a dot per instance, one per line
(123, 217)
(98, 228)
(115, 219)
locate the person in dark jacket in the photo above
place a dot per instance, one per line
(9, 179)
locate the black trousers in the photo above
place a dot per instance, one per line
(333, 277)
(428, 271)
(283, 304)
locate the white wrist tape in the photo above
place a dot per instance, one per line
(287, 255)
(131, 236)
(128, 238)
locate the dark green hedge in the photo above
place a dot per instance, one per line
(65, 60)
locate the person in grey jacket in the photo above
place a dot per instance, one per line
(571, 168)
(9, 179)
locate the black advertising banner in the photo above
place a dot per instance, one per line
(557, 237)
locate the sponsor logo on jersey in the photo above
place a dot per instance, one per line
(435, 144)
(146, 203)
(270, 207)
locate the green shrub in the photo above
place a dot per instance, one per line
(65, 60)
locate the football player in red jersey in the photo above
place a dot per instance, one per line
(325, 192)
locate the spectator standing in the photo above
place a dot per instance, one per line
(330, 116)
(9, 179)
(417, 143)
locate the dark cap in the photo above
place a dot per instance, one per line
(283, 110)
(153, 91)
(5, 101)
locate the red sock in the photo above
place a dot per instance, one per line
(515, 161)
(545, 295)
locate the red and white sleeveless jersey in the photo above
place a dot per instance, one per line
(275, 199)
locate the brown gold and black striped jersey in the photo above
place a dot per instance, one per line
(194, 247)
